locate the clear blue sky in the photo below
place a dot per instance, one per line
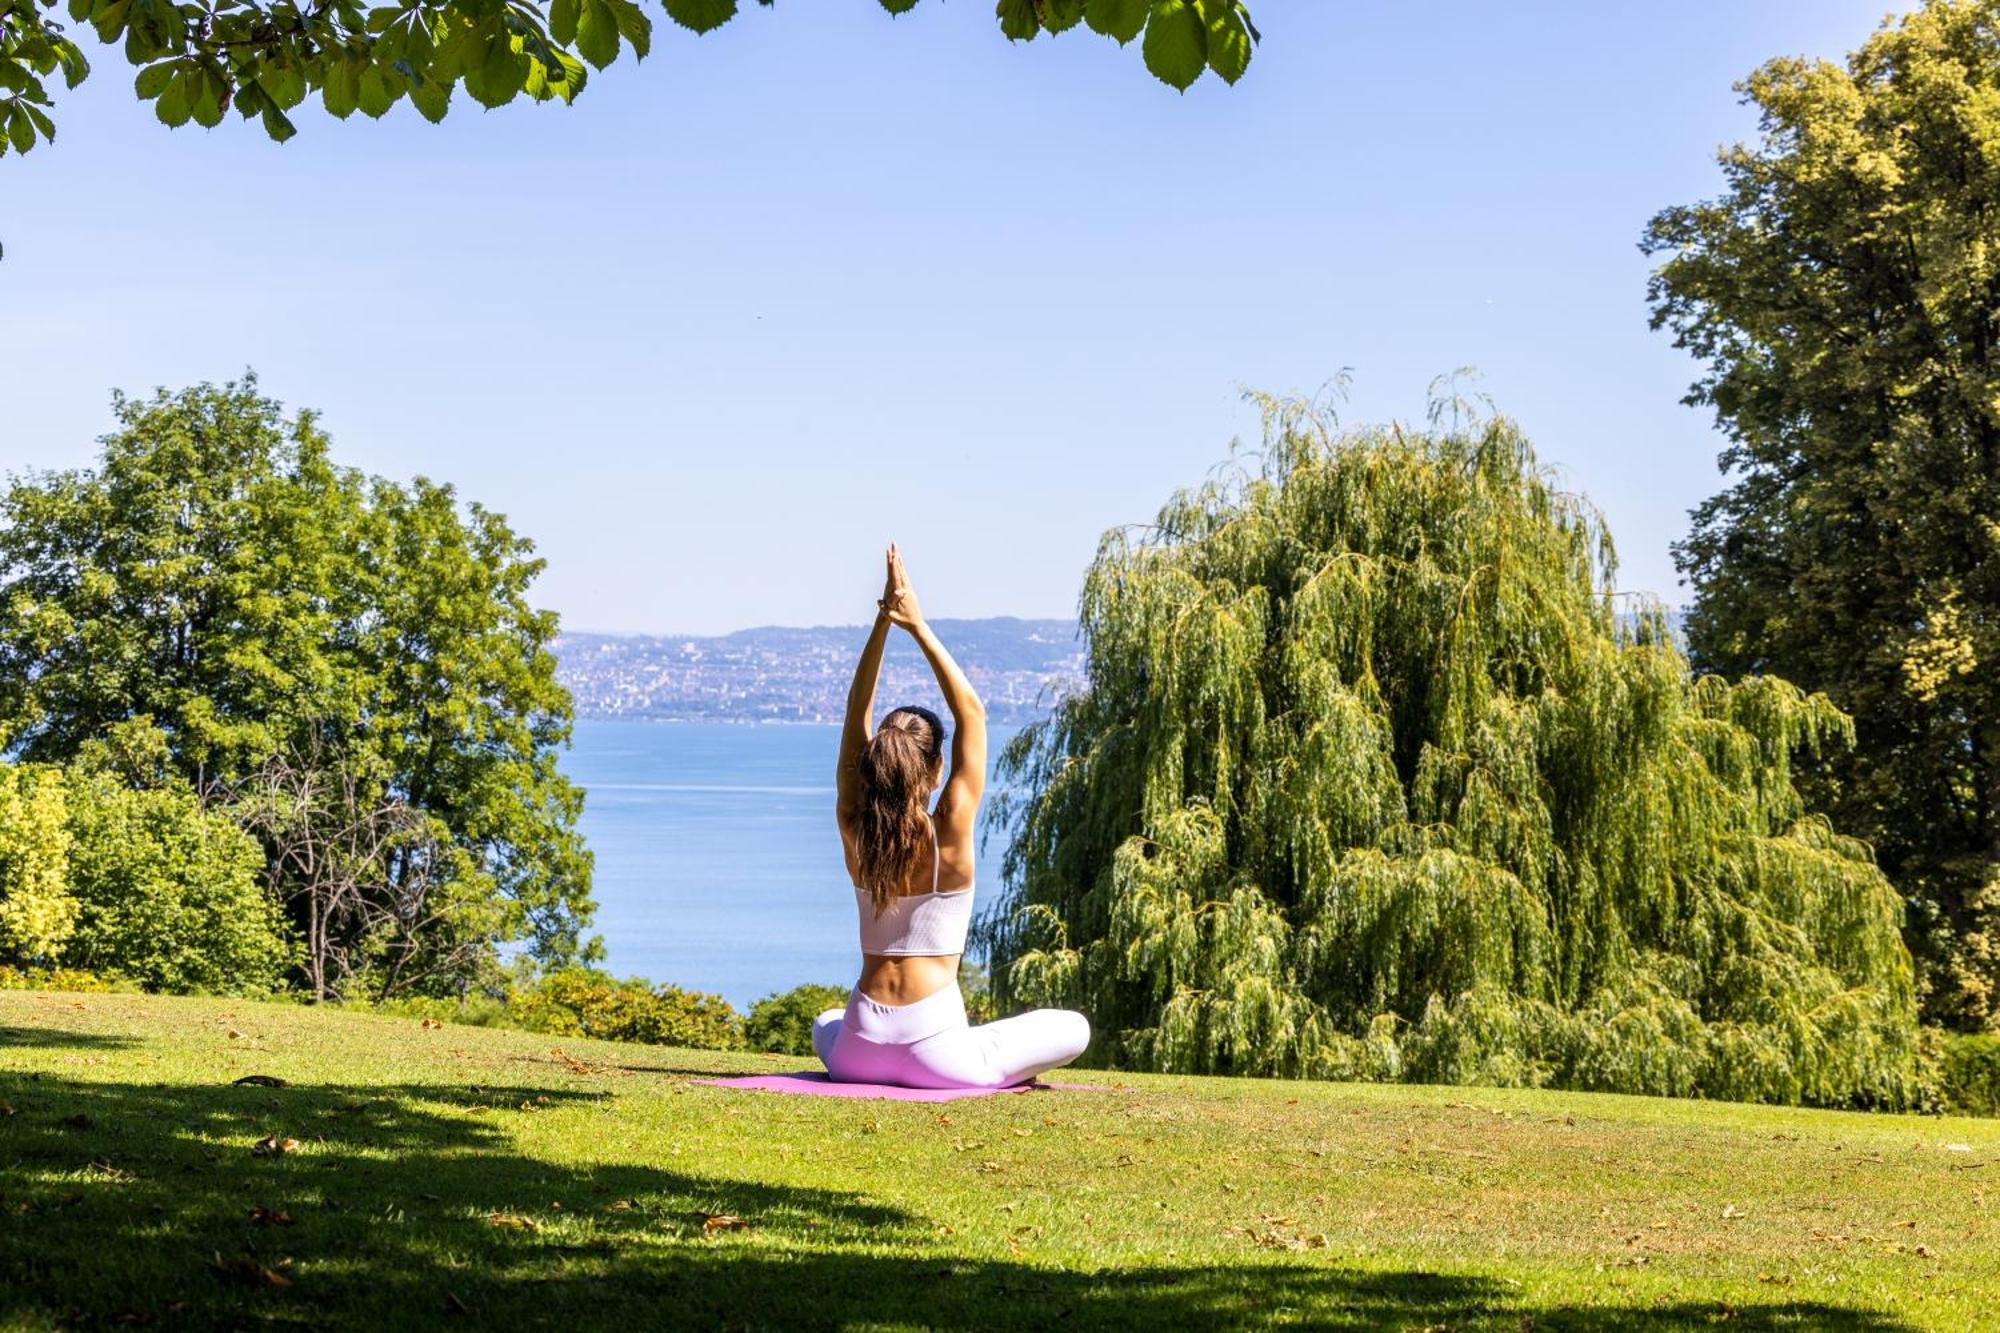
(821, 278)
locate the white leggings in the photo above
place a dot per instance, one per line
(929, 1044)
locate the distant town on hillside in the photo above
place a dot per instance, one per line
(774, 674)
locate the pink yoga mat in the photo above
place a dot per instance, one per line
(812, 1083)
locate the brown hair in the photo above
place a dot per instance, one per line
(898, 767)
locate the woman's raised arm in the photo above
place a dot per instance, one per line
(860, 723)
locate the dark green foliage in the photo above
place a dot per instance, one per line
(350, 664)
(783, 1022)
(583, 1002)
(196, 62)
(1971, 1073)
(1842, 292)
(1369, 782)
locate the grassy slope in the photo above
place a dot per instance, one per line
(457, 1171)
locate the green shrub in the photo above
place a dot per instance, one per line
(977, 989)
(581, 1002)
(782, 1023)
(1971, 1073)
(477, 1010)
(58, 978)
(167, 893)
(37, 910)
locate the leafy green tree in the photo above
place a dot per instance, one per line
(37, 909)
(468, 713)
(262, 58)
(1844, 292)
(168, 894)
(217, 595)
(202, 580)
(1369, 779)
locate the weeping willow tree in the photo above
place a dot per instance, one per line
(1373, 777)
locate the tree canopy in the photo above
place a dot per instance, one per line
(1370, 777)
(1844, 293)
(350, 665)
(262, 58)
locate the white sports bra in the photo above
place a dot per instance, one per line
(917, 925)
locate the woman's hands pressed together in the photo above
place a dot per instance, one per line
(899, 599)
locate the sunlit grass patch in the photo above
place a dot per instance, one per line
(508, 1178)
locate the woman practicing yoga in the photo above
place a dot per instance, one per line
(912, 871)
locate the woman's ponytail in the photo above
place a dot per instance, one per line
(897, 768)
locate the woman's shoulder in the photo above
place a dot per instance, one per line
(954, 817)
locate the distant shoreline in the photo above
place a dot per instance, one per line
(800, 676)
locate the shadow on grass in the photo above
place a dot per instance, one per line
(83, 1041)
(402, 1205)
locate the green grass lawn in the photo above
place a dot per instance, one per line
(501, 1178)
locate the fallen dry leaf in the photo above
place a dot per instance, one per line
(105, 1167)
(245, 1268)
(270, 1217)
(430, 1024)
(514, 1220)
(722, 1222)
(234, 1035)
(273, 1146)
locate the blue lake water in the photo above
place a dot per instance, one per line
(718, 864)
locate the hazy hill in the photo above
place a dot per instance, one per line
(777, 673)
